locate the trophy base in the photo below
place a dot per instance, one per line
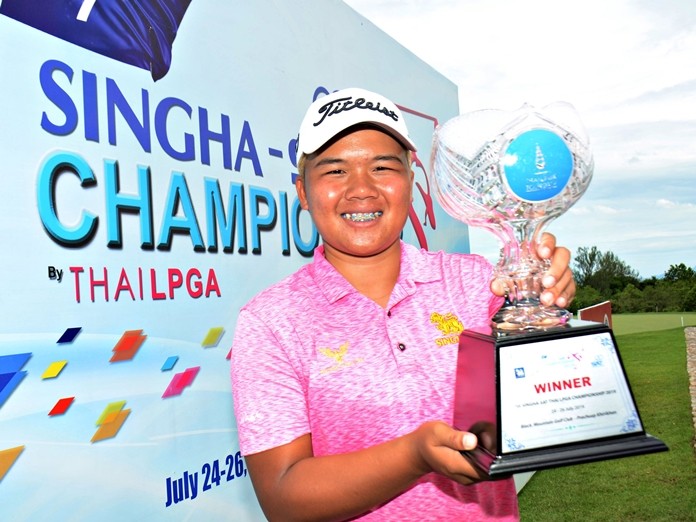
(529, 317)
(502, 466)
(545, 399)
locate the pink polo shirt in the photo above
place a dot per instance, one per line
(312, 355)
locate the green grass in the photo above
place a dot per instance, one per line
(655, 487)
(650, 322)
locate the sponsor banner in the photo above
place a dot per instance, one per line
(147, 193)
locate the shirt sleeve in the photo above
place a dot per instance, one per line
(269, 399)
(494, 301)
(476, 274)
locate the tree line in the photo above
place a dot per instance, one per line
(602, 276)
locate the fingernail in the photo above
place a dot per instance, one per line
(545, 251)
(548, 281)
(469, 440)
(547, 298)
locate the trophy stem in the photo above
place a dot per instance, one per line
(522, 270)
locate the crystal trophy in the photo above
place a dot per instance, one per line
(538, 389)
(512, 172)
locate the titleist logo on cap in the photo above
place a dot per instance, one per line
(348, 103)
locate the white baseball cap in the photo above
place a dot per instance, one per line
(335, 112)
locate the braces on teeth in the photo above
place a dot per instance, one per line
(363, 216)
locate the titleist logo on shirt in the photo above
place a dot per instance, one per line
(348, 103)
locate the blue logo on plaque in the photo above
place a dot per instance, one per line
(537, 165)
(519, 373)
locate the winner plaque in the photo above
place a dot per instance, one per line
(538, 389)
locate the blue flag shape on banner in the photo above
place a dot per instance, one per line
(139, 33)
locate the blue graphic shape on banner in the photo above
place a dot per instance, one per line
(169, 363)
(537, 165)
(132, 32)
(10, 374)
(69, 335)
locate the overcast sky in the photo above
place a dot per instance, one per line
(629, 68)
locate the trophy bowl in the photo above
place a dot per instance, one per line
(513, 172)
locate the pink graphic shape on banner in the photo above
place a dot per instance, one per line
(181, 381)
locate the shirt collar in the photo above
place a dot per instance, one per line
(414, 269)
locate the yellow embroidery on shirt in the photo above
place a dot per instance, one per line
(450, 325)
(338, 357)
(337, 354)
